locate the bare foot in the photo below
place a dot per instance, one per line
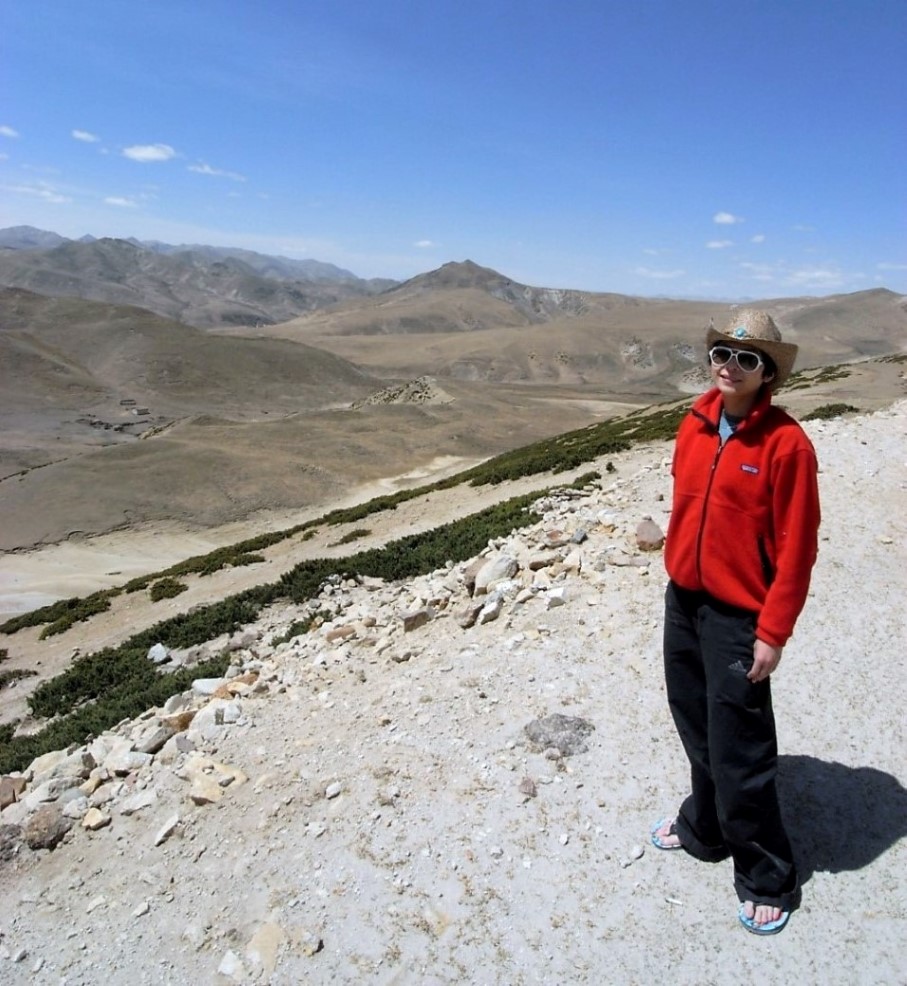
(761, 913)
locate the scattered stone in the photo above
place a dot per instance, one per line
(262, 948)
(546, 560)
(340, 633)
(556, 597)
(231, 967)
(207, 686)
(528, 788)
(95, 819)
(158, 654)
(152, 738)
(417, 618)
(555, 539)
(495, 570)
(77, 808)
(470, 614)
(10, 839)
(649, 536)
(492, 609)
(310, 943)
(567, 734)
(10, 789)
(166, 830)
(136, 802)
(46, 827)
(333, 790)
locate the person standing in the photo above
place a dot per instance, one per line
(739, 551)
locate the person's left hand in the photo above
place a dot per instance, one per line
(765, 660)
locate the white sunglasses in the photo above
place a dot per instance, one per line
(748, 361)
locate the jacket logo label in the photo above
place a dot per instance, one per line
(753, 469)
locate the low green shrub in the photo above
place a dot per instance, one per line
(827, 411)
(247, 558)
(166, 589)
(15, 674)
(355, 535)
(81, 609)
(60, 612)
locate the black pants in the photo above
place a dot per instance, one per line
(727, 728)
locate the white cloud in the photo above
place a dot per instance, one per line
(802, 228)
(758, 238)
(40, 190)
(886, 266)
(206, 169)
(659, 275)
(719, 244)
(8, 132)
(85, 136)
(816, 277)
(149, 152)
(120, 202)
(4, 157)
(727, 219)
(652, 252)
(424, 244)
(764, 271)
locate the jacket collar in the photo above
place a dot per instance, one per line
(708, 407)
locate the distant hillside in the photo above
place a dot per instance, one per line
(201, 286)
(468, 322)
(78, 375)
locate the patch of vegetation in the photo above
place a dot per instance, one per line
(166, 589)
(75, 610)
(354, 535)
(249, 558)
(15, 674)
(804, 379)
(58, 612)
(827, 411)
(558, 454)
(125, 700)
(4, 654)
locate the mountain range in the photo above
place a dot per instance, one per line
(199, 285)
(132, 389)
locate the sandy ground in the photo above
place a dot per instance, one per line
(432, 867)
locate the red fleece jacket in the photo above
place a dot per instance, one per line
(745, 518)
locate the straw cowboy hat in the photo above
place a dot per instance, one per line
(756, 330)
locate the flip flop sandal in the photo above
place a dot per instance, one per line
(769, 928)
(657, 839)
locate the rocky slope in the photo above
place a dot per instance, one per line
(365, 804)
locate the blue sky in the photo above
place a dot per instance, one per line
(735, 149)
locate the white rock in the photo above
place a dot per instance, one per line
(167, 829)
(158, 654)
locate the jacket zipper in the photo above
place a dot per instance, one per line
(705, 503)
